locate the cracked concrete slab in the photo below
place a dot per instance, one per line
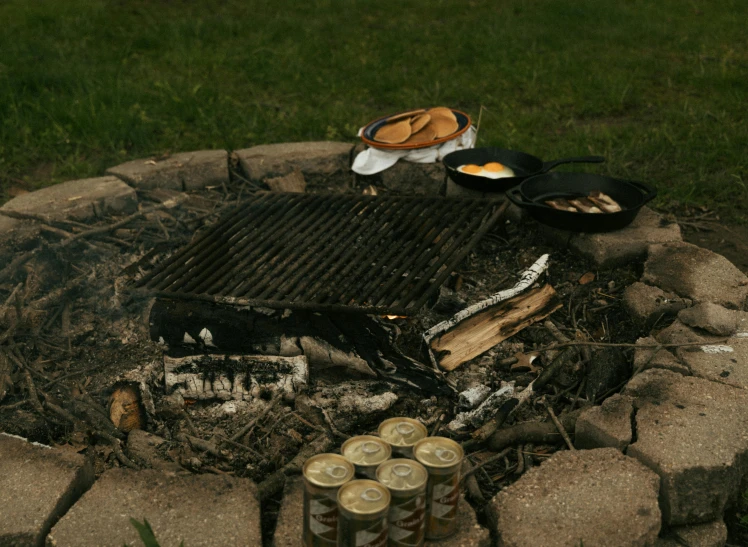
(726, 362)
(607, 425)
(325, 165)
(646, 358)
(38, 484)
(200, 510)
(79, 200)
(587, 497)
(696, 273)
(715, 319)
(607, 250)
(678, 333)
(182, 171)
(648, 305)
(694, 434)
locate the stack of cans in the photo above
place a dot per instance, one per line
(398, 502)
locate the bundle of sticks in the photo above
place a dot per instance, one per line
(595, 202)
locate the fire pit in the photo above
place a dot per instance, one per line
(245, 374)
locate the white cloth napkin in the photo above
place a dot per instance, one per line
(375, 160)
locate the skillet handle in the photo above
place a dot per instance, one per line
(548, 165)
(648, 192)
(516, 197)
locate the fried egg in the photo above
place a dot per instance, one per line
(491, 170)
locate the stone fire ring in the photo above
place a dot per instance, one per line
(657, 464)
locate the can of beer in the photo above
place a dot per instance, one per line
(406, 480)
(402, 434)
(324, 474)
(362, 514)
(366, 452)
(442, 458)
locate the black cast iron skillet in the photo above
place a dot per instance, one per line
(523, 165)
(533, 193)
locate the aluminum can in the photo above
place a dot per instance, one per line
(406, 480)
(442, 458)
(366, 452)
(324, 474)
(362, 514)
(402, 434)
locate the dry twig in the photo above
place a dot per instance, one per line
(560, 428)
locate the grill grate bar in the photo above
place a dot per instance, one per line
(371, 254)
(211, 260)
(259, 240)
(360, 229)
(177, 261)
(434, 265)
(408, 259)
(352, 269)
(276, 259)
(366, 277)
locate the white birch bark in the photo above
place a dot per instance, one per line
(527, 279)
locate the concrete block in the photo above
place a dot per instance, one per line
(79, 200)
(38, 485)
(201, 510)
(587, 497)
(325, 165)
(696, 273)
(692, 433)
(610, 249)
(182, 171)
(607, 425)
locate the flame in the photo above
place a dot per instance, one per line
(393, 317)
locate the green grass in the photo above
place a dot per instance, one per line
(658, 87)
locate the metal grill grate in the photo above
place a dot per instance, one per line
(371, 254)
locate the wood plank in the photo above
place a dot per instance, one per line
(493, 325)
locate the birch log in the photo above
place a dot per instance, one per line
(491, 326)
(527, 279)
(237, 377)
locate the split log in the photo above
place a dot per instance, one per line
(527, 279)
(238, 377)
(491, 326)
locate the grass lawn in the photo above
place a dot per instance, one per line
(659, 87)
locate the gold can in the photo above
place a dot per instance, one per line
(406, 480)
(362, 514)
(366, 452)
(442, 458)
(324, 474)
(402, 434)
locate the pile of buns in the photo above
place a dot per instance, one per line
(418, 126)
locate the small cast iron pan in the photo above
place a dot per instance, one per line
(533, 193)
(523, 165)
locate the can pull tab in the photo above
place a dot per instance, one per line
(371, 494)
(405, 429)
(336, 471)
(402, 470)
(445, 454)
(370, 447)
